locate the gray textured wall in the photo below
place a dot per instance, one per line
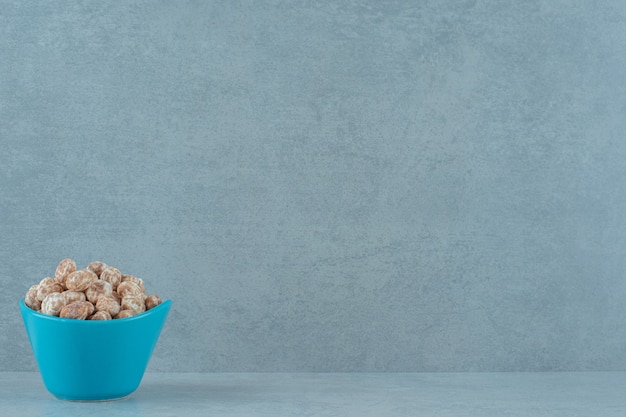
(326, 186)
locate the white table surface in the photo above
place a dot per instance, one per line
(589, 394)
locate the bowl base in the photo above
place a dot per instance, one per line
(94, 401)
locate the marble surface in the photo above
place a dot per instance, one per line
(337, 394)
(334, 186)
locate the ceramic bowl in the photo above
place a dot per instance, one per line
(93, 360)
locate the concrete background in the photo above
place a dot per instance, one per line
(326, 186)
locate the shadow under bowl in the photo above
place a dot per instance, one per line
(93, 360)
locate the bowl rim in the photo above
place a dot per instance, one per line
(139, 316)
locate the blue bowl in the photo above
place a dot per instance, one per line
(93, 360)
